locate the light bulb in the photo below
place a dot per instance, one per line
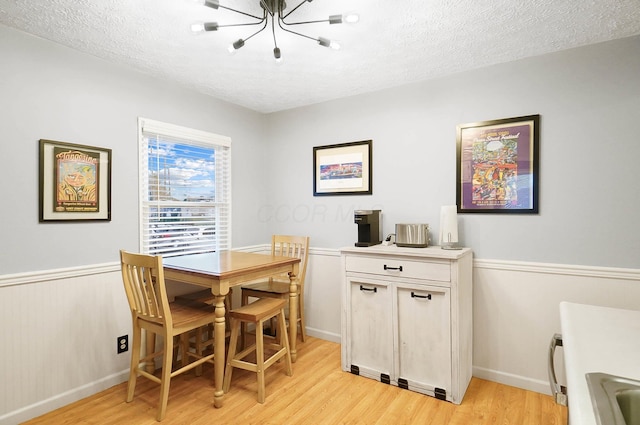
(276, 54)
(214, 4)
(209, 3)
(197, 27)
(236, 45)
(350, 18)
(325, 42)
(200, 27)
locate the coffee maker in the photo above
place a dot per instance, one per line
(369, 227)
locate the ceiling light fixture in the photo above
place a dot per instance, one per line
(274, 9)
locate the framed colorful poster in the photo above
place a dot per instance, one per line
(344, 169)
(75, 182)
(497, 166)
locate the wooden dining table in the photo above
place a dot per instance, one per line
(222, 270)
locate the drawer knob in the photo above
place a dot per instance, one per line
(393, 268)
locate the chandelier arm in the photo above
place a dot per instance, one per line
(263, 20)
(240, 12)
(294, 32)
(273, 31)
(291, 11)
(257, 32)
(242, 25)
(266, 8)
(304, 22)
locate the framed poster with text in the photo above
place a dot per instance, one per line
(75, 182)
(497, 166)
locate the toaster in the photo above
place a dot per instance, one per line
(412, 235)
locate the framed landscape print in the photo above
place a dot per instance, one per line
(75, 182)
(497, 166)
(343, 169)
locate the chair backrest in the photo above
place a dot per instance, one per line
(292, 246)
(143, 279)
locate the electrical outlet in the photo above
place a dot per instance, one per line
(123, 343)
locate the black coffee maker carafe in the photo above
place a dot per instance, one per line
(369, 227)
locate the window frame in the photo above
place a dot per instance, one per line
(148, 128)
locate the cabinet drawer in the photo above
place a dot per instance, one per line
(400, 267)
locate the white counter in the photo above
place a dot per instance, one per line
(431, 251)
(597, 339)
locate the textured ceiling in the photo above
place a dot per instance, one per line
(395, 42)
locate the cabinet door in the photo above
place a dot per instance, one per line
(369, 324)
(424, 339)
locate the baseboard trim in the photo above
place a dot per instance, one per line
(40, 408)
(512, 380)
(320, 334)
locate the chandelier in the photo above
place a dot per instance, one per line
(272, 11)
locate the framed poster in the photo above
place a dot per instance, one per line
(75, 182)
(343, 169)
(497, 166)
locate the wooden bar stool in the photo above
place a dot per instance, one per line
(202, 338)
(257, 312)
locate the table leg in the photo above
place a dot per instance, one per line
(219, 358)
(293, 317)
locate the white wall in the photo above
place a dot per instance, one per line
(51, 92)
(589, 100)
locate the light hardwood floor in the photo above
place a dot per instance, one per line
(318, 393)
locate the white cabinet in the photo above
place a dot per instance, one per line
(423, 338)
(371, 336)
(406, 317)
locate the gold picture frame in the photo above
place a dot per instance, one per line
(75, 182)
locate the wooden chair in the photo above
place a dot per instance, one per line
(257, 312)
(291, 246)
(144, 285)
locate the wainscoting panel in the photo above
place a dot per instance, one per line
(516, 312)
(59, 327)
(59, 339)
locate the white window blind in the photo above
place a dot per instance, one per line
(185, 189)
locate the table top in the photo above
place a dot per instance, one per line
(226, 264)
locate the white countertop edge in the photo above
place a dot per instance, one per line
(434, 251)
(597, 339)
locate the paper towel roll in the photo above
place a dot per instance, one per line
(448, 226)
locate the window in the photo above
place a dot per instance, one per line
(185, 189)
